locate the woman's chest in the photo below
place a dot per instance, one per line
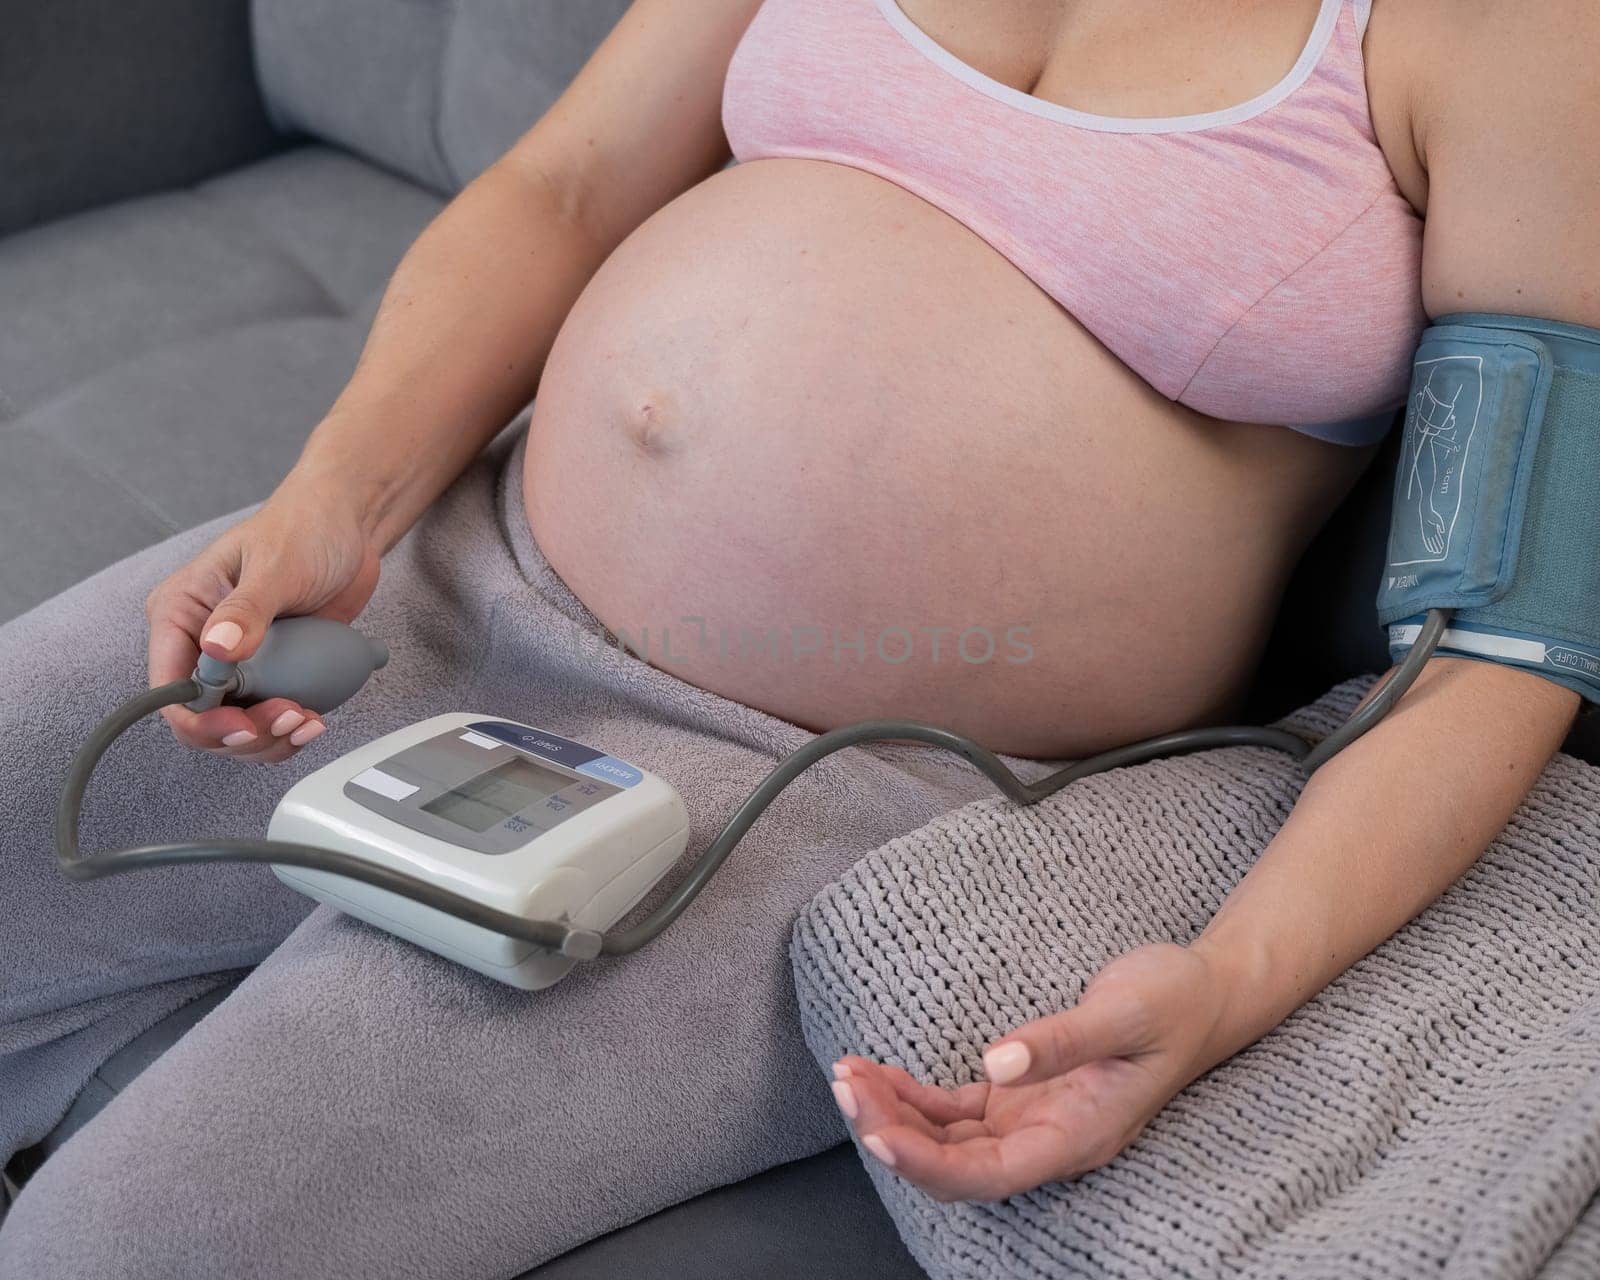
(1149, 59)
(1255, 261)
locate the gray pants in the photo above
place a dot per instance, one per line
(359, 1106)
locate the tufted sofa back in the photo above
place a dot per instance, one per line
(433, 89)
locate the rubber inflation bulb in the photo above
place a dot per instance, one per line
(316, 662)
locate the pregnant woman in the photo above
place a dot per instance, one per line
(1053, 325)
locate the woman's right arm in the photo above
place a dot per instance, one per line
(457, 348)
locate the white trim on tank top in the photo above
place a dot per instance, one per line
(1310, 56)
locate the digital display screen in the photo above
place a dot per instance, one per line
(492, 797)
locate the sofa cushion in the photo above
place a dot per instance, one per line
(162, 360)
(434, 89)
(105, 100)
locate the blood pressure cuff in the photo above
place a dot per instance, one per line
(1497, 498)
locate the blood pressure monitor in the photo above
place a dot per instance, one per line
(518, 818)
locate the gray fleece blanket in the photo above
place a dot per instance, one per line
(1434, 1112)
(359, 1107)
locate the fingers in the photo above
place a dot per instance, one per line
(269, 582)
(873, 1097)
(294, 725)
(219, 604)
(289, 558)
(267, 733)
(870, 1103)
(979, 1167)
(173, 651)
(1097, 1028)
(263, 751)
(281, 728)
(942, 1106)
(223, 727)
(177, 611)
(945, 1145)
(234, 630)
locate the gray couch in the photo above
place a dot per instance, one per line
(204, 200)
(200, 203)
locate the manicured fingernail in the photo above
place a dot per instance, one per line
(1006, 1062)
(224, 635)
(239, 737)
(845, 1096)
(287, 722)
(841, 1071)
(309, 730)
(873, 1143)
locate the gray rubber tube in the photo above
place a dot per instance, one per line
(586, 944)
(1382, 698)
(620, 942)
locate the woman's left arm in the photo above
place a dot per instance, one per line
(1503, 119)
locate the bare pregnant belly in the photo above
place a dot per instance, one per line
(809, 443)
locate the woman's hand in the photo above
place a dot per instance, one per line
(304, 552)
(1065, 1094)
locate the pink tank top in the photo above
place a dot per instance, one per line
(1257, 264)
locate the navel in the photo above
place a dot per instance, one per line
(651, 421)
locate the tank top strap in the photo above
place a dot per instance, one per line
(1362, 9)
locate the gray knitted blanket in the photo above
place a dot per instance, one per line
(1434, 1112)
